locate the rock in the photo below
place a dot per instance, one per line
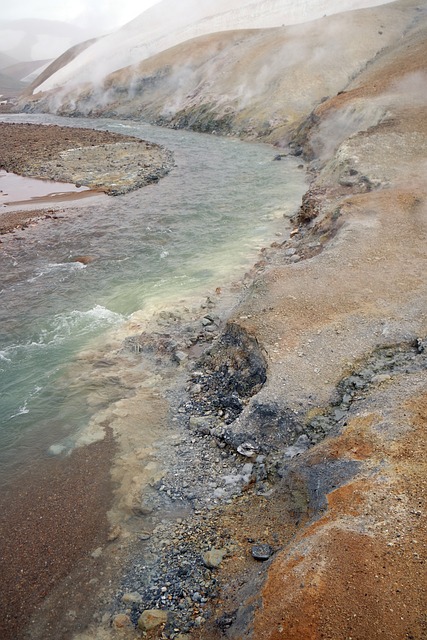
(56, 449)
(294, 232)
(121, 621)
(421, 345)
(378, 379)
(132, 598)
(247, 468)
(200, 424)
(261, 551)
(339, 414)
(83, 259)
(247, 449)
(213, 558)
(97, 553)
(180, 357)
(144, 509)
(114, 533)
(151, 619)
(301, 445)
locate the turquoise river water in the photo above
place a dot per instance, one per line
(198, 228)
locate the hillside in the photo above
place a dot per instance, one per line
(261, 82)
(164, 25)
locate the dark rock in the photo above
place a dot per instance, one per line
(232, 371)
(262, 551)
(226, 620)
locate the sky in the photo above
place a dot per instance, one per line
(99, 14)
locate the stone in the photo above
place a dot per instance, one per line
(247, 449)
(56, 449)
(382, 377)
(339, 414)
(122, 621)
(151, 619)
(213, 558)
(301, 445)
(247, 468)
(180, 356)
(114, 533)
(84, 259)
(261, 551)
(200, 424)
(132, 598)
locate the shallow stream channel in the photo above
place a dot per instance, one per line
(165, 245)
(171, 253)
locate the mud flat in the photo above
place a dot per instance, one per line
(94, 161)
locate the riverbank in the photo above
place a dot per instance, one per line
(307, 499)
(118, 388)
(101, 161)
(53, 518)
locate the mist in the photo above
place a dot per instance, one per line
(167, 24)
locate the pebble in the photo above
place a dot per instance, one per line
(180, 356)
(132, 598)
(121, 621)
(301, 445)
(114, 533)
(213, 558)
(247, 449)
(378, 379)
(290, 252)
(261, 551)
(151, 619)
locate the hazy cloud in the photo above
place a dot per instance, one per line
(95, 14)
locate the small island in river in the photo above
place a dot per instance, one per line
(101, 161)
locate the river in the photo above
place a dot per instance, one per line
(169, 243)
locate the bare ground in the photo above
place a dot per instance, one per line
(102, 161)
